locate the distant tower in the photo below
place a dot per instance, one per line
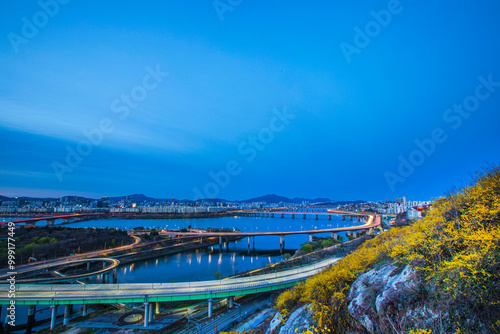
(105, 201)
(400, 199)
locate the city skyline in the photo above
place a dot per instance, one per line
(269, 198)
(237, 100)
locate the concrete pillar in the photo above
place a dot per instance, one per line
(248, 239)
(150, 314)
(334, 235)
(31, 318)
(66, 315)
(146, 314)
(115, 276)
(282, 215)
(350, 217)
(6, 330)
(253, 242)
(316, 217)
(272, 215)
(293, 215)
(304, 216)
(104, 265)
(201, 240)
(343, 218)
(157, 308)
(310, 238)
(84, 310)
(230, 302)
(210, 302)
(53, 309)
(329, 217)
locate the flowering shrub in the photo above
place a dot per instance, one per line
(455, 250)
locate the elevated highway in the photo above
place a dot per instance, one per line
(372, 223)
(108, 265)
(69, 294)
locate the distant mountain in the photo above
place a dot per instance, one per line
(334, 203)
(139, 198)
(76, 198)
(207, 200)
(268, 199)
(276, 199)
(272, 198)
(5, 198)
(315, 200)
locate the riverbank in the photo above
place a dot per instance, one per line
(47, 243)
(111, 215)
(339, 250)
(173, 248)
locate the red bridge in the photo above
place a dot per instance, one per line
(70, 218)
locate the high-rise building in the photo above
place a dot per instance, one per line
(400, 199)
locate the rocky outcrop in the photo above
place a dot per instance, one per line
(388, 298)
(298, 322)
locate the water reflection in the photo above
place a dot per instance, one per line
(232, 257)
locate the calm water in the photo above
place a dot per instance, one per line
(202, 264)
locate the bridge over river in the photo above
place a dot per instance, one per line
(369, 226)
(147, 293)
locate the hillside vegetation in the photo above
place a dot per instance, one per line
(46, 242)
(453, 254)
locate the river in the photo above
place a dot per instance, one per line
(202, 264)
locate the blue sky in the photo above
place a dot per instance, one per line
(225, 81)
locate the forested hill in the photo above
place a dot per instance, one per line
(439, 275)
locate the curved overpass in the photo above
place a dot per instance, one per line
(65, 294)
(111, 262)
(21, 269)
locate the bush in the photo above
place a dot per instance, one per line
(455, 250)
(306, 248)
(49, 242)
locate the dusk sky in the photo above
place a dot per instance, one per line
(237, 99)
